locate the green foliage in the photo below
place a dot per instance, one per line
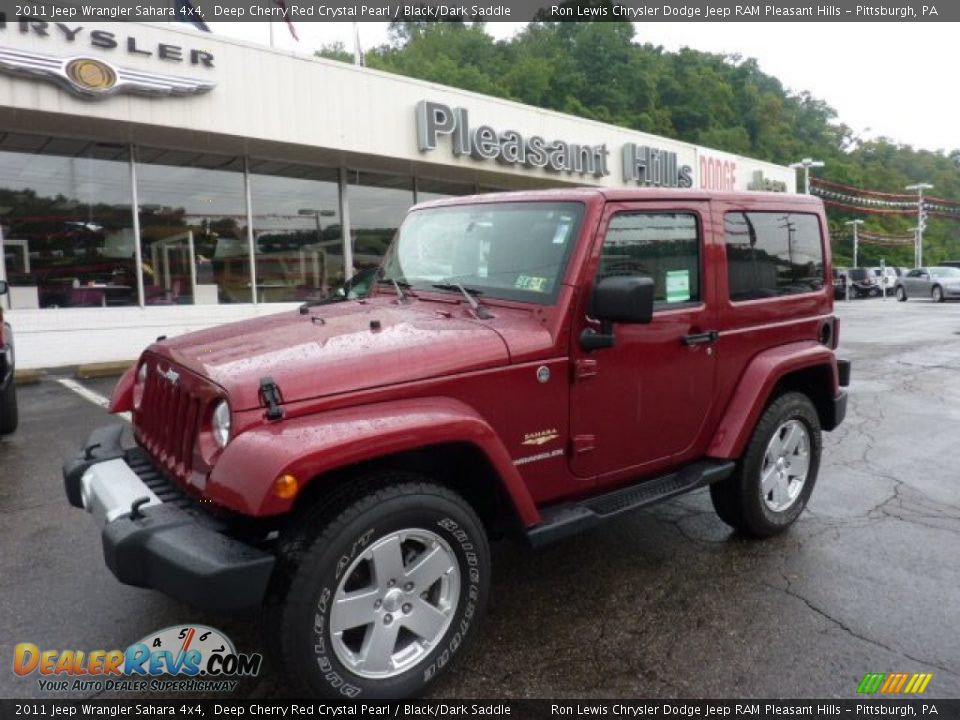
(605, 71)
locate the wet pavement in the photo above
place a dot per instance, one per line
(663, 603)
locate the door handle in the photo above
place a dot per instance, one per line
(700, 338)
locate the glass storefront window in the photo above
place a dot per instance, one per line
(428, 189)
(378, 204)
(193, 228)
(298, 248)
(66, 222)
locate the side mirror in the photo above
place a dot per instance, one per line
(4, 287)
(617, 299)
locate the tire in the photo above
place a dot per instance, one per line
(331, 648)
(901, 294)
(936, 294)
(740, 500)
(9, 417)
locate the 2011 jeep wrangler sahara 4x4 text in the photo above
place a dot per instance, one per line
(529, 364)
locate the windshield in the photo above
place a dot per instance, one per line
(515, 251)
(945, 272)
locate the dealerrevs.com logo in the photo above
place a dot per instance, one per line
(181, 658)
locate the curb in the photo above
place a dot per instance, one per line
(104, 369)
(27, 377)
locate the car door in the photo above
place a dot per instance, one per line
(645, 400)
(910, 281)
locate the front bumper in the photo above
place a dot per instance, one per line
(152, 535)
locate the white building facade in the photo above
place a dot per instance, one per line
(156, 180)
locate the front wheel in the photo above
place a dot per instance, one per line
(776, 474)
(936, 294)
(901, 294)
(380, 601)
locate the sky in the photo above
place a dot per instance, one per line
(890, 79)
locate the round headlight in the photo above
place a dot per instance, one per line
(142, 374)
(221, 423)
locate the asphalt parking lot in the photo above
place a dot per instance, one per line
(665, 603)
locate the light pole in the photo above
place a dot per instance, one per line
(921, 220)
(856, 224)
(318, 277)
(916, 259)
(806, 164)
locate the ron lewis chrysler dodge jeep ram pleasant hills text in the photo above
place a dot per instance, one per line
(527, 365)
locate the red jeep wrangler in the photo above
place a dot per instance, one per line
(529, 364)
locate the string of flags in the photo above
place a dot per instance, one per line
(872, 202)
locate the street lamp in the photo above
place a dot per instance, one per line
(316, 214)
(921, 221)
(319, 276)
(855, 223)
(806, 164)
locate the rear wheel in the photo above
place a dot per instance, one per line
(901, 294)
(776, 474)
(936, 294)
(378, 600)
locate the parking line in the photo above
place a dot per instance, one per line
(88, 394)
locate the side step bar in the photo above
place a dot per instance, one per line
(566, 519)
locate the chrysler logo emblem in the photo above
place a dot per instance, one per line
(93, 79)
(92, 75)
(172, 375)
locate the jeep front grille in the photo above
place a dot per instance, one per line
(169, 419)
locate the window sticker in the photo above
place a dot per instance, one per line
(560, 236)
(530, 282)
(678, 286)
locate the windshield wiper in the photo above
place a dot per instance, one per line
(399, 284)
(468, 293)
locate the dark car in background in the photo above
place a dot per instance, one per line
(864, 282)
(840, 282)
(8, 390)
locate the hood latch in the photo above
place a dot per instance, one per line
(270, 394)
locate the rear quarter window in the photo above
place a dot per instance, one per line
(770, 254)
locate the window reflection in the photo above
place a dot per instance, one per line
(428, 189)
(378, 204)
(297, 236)
(66, 223)
(193, 228)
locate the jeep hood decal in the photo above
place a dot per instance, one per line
(335, 349)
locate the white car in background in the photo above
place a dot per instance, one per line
(888, 278)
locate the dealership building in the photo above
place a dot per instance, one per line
(155, 179)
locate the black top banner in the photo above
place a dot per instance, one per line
(484, 10)
(523, 709)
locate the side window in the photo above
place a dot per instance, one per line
(663, 246)
(772, 253)
(915, 273)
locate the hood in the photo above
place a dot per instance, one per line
(336, 349)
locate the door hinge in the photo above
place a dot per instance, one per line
(584, 368)
(583, 444)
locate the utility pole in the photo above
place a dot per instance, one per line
(806, 164)
(921, 221)
(855, 223)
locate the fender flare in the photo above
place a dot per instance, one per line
(753, 391)
(122, 398)
(310, 446)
